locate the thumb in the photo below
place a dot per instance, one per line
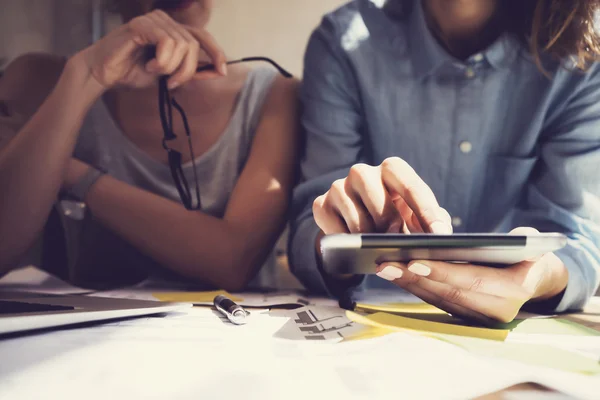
(527, 231)
(524, 230)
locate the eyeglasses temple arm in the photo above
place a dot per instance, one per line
(166, 113)
(186, 126)
(282, 71)
(151, 53)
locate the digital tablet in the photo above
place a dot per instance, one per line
(360, 253)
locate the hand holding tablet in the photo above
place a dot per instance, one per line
(485, 278)
(458, 273)
(360, 253)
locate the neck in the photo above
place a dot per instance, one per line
(463, 27)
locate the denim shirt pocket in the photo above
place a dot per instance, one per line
(506, 179)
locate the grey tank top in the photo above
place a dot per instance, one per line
(102, 144)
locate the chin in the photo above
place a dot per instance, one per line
(174, 6)
(187, 12)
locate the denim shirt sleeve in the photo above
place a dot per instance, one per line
(332, 124)
(564, 192)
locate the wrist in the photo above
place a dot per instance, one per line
(555, 278)
(78, 72)
(85, 181)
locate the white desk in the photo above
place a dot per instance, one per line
(196, 354)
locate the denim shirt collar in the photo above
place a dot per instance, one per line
(428, 55)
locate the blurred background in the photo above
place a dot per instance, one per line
(273, 28)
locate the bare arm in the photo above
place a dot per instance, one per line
(32, 162)
(224, 252)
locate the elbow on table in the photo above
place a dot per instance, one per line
(240, 273)
(234, 285)
(9, 257)
(17, 240)
(231, 266)
(233, 280)
(232, 273)
(5, 266)
(243, 260)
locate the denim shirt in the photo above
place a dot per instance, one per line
(500, 144)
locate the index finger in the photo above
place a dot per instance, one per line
(209, 45)
(401, 180)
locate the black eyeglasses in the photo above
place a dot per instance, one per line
(165, 105)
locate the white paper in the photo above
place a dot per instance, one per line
(260, 300)
(34, 280)
(131, 294)
(585, 344)
(317, 324)
(283, 299)
(197, 354)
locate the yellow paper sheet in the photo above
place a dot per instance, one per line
(538, 355)
(427, 312)
(369, 332)
(422, 311)
(399, 323)
(401, 308)
(533, 354)
(194, 297)
(551, 326)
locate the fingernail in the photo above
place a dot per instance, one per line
(420, 269)
(172, 85)
(390, 273)
(441, 228)
(223, 69)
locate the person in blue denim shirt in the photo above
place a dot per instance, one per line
(445, 115)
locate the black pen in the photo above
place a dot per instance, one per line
(234, 312)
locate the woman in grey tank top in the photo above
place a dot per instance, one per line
(87, 131)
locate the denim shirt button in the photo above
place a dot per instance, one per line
(466, 147)
(478, 57)
(457, 222)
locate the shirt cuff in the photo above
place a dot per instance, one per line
(575, 296)
(307, 267)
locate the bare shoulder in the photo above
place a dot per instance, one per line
(286, 86)
(29, 79)
(283, 94)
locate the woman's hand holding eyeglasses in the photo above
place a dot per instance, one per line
(122, 57)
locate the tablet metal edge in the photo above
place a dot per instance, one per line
(345, 241)
(561, 239)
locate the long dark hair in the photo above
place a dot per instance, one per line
(560, 29)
